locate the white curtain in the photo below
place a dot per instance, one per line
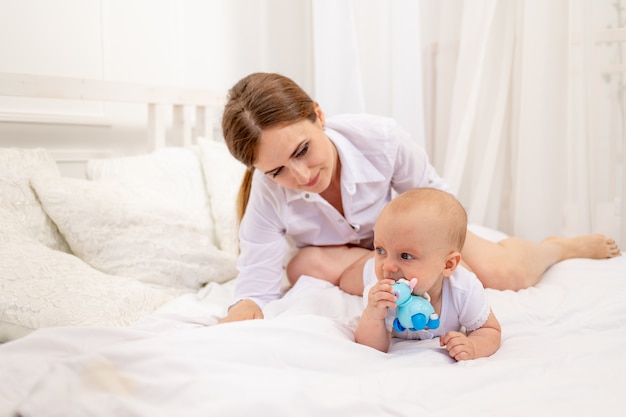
(367, 58)
(522, 106)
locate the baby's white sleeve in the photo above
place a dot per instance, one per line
(474, 309)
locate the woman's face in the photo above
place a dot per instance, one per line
(299, 155)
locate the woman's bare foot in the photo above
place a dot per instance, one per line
(595, 246)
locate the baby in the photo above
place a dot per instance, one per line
(419, 234)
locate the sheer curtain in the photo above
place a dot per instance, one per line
(597, 116)
(368, 58)
(522, 106)
(529, 126)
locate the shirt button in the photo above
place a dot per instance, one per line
(306, 195)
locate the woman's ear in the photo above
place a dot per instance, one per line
(452, 261)
(320, 114)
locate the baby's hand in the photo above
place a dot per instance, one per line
(459, 346)
(379, 298)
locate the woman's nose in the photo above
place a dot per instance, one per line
(300, 172)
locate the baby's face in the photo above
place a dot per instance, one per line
(409, 248)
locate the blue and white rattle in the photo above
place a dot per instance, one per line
(412, 312)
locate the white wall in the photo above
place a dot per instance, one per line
(195, 43)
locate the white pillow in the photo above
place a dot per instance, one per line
(16, 196)
(222, 176)
(135, 232)
(41, 287)
(171, 172)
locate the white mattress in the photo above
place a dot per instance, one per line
(562, 354)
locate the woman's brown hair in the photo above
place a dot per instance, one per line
(257, 102)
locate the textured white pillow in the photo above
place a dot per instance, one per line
(222, 175)
(41, 287)
(136, 232)
(171, 172)
(16, 195)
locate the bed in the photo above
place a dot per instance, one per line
(111, 288)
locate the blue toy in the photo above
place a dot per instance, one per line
(413, 312)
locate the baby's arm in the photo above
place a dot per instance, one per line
(371, 330)
(479, 343)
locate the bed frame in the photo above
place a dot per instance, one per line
(157, 98)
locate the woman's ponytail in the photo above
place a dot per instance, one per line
(244, 193)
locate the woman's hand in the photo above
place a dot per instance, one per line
(243, 310)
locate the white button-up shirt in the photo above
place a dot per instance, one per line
(377, 158)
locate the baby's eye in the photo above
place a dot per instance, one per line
(380, 251)
(406, 256)
(303, 150)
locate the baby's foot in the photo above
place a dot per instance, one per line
(595, 246)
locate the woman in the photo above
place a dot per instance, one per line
(322, 183)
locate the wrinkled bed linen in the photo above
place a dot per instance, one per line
(561, 354)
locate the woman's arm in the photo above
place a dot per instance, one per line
(412, 167)
(262, 248)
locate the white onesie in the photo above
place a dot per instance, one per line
(463, 303)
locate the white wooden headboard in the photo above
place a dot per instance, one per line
(158, 100)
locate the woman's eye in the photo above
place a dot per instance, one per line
(303, 150)
(406, 256)
(275, 173)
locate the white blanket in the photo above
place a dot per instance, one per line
(561, 355)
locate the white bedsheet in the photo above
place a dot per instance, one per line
(562, 355)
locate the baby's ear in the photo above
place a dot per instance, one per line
(452, 261)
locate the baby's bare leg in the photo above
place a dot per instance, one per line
(515, 263)
(325, 262)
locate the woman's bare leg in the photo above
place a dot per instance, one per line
(515, 263)
(351, 281)
(325, 262)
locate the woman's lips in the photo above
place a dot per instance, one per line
(313, 181)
